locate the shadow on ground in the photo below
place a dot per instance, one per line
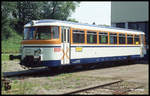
(45, 72)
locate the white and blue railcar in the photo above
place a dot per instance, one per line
(54, 43)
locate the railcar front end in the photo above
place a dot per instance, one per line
(41, 46)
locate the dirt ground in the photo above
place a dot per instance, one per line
(132, 73)
(66, 82)
(136, 72)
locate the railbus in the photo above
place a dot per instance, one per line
(53, 43)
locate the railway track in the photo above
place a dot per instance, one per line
(66, 69)
(117, 88)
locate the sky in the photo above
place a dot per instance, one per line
(97, 11)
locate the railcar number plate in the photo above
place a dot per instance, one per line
(78, 49)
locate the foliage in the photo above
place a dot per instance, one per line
(7, 8)
(73, 20)
(58, 10)
(26, 11)
(16, 14)
(104, 25)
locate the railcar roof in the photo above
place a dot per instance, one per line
(46, 22)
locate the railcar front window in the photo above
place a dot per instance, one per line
(55, 32)
(43, 33)
(26, 30)
(29, 33)
(47, 33)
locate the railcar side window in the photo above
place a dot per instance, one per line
(103, 38)
(136, 39)
(55, 32)
(91, 37)
(62, 35)
(113, 38)
(43, 33)
(122, 39)
(142, 37)
(129, 39)
(78, 36)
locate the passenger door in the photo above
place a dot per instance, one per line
(65, 45)
(143, 50)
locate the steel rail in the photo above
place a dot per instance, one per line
(86, 89)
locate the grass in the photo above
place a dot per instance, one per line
(19, 87)
(12, 44)
(4, 57)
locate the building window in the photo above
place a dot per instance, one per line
(78, 36)
(122, 39)
(129, 39)
(120, 25)
(103, 37)
(91, 37)
(132, 26)
(137, 26)
(136, 39)
(113, 38)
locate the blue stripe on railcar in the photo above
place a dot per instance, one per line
(51, 63)
(104, 46)
(54, 63)
(101, 59)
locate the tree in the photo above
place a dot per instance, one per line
(6, 9)
(58, 10)
(26, 11)
(72, 20)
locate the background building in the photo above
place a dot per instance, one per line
(131, 15)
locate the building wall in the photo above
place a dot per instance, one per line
(127, 11)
